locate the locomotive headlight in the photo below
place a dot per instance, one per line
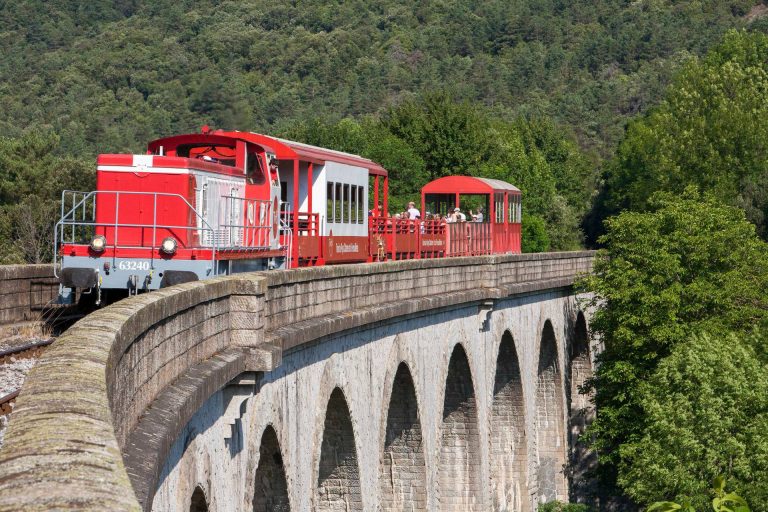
(98, 243)
(168, 246)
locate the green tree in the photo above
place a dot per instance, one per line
(706, 415)
(534, 234)
(31, 180)
(687, 264)
(450, 136)
(711, 131)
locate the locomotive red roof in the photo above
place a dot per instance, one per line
(283, 149)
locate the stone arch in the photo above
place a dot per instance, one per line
(508, 441)
(459, 469)
(581, 371)
(403, 470)
(271, 487)
(198, 502)
(338, 481)
(580, 413)
(550, 418)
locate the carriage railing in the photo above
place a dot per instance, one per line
(307, 224)
(248, 223)
(469, 238)
(461, 238)
(79, 224)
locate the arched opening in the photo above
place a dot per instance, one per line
(549, 421)
(458, 480)
(271, 489)
(198, 502)
(338, 481)
(403, 472)
(509, 446)
(581, 413)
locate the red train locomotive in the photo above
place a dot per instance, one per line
(215, 203)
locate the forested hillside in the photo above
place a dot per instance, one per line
(108, 76)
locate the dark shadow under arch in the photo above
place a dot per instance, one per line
(508, 442)
(403, 471)
(338, 481)
(550, 438)
(198, 502)
(580, 414)
(271, 488)
(459, 471)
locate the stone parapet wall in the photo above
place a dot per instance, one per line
(122, 383)
(25, 290)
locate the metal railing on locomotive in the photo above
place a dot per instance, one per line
(78, 224)
(249, 222)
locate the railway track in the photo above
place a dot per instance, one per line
(31, 350)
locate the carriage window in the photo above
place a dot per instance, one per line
(499, 200)
(360, 205)
(337, 206)
(353, 204)
(345, 206)
(329, 202)
(511, 210)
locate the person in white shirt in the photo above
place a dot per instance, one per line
(413, 212)
(458, 216)
(477, 217)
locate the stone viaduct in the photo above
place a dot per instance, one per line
(446, 385)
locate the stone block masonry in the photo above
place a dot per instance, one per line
(25, 290)
(133, 407)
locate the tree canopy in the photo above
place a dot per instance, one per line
(108, 76)
(688, 264)
(706, 410)
(711, 131)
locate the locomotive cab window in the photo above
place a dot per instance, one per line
(254, 169)
(218, 154)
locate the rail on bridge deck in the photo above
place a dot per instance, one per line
(100, 410)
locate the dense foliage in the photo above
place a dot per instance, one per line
(706, 410)
(711, 130)
(689, 264)
(556, 506)
(722, 501)
(32, 177)
(108, 76)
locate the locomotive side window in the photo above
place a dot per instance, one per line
(499, 200)
(345, 205)
(329, 201)
(337, 206)
(360, 205)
